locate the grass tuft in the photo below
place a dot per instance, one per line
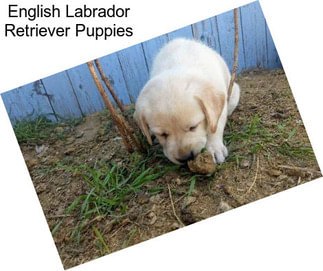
(40, 129)
(33, 131)
(104, 249)
(108, 186)
(255, 136)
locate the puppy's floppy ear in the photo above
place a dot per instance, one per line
(212, 104)
(141, 121)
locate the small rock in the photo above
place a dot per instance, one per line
(187, 216)
(59, 188)
(118, 138)
(175, 226)
(70, 150)
(189, 200)
(60, 210)
(41, 188)
(244, 163)
(224, 207)
(179, 181)
(142, 198)
(274, 172)
(59, 130)
(153, 217)
(296, 172)
(203, 163)
(40, 149)
(79, 135)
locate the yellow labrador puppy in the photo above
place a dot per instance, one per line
(184, 103)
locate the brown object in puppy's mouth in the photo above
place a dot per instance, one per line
(203, 163)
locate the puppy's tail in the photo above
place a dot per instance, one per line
(234, 98)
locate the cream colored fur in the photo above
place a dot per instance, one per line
(184, 103)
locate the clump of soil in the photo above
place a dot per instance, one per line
(269, 152)
(203, 163)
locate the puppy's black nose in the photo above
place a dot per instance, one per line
(186, 158)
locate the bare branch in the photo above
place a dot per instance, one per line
(236, 50)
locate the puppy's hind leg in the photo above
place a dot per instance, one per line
(234, 99)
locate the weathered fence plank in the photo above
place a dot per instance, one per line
(113, 71)
(254, 36)
(85, 90)
(62, 96)
(206, 31)
(134, 69)
(185, 32)
(226, 34)
(151, 48)
(28, 102)
(272, 55)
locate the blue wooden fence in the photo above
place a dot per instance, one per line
(73, 94)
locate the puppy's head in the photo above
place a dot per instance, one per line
(180, 111)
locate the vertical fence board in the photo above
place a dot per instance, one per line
(185, 32)
(134, 69)
(63, 99)
(225, 23)
(86, 92)
(272, 55)
(254, 36)
(27, 102)
(151, 48)
(111, 66)
(206, 31)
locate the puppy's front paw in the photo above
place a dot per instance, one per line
(219, 150)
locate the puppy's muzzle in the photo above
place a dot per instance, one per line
(186, 158)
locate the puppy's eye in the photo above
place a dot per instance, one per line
(165, 135)
(192, 128)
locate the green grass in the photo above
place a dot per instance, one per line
(101, 243)
(33, 131)
(108, 185)
(38, 130)
(129, 238)
(255, 136)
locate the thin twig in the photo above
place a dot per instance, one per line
(173, 207)
(298, 168)
(236, 50)
(114, 115)
(118, 102)
(133, 139)
(256, 175)
(120, 122)
(109, 86)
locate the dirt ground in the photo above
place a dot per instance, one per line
(269, 152)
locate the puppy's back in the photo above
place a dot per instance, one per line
(191, 56)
